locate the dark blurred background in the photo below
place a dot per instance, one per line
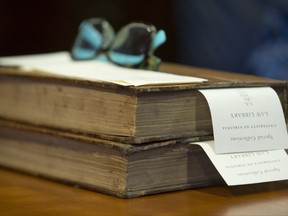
(35, 26)
(247, 36)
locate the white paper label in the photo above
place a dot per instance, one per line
(248, 167)
(246, 119)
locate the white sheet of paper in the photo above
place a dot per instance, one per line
(248, 167)
(61, 64)
(246, 119)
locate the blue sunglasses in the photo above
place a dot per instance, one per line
(133, 46)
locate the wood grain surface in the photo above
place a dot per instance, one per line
(21, 194)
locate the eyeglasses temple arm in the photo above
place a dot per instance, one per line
(159, 39)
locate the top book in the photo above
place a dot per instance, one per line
(111, 102)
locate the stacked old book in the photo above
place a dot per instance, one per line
(122, 140)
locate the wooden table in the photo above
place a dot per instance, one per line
(21, 194)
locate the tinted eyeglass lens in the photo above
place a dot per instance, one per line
(132, 44)
(94, 35)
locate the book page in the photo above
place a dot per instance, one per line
(62, 65)
(246, 119)
(248, 167)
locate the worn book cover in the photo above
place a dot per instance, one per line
(78, 97)
(109, 167)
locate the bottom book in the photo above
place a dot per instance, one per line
(113, 168)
